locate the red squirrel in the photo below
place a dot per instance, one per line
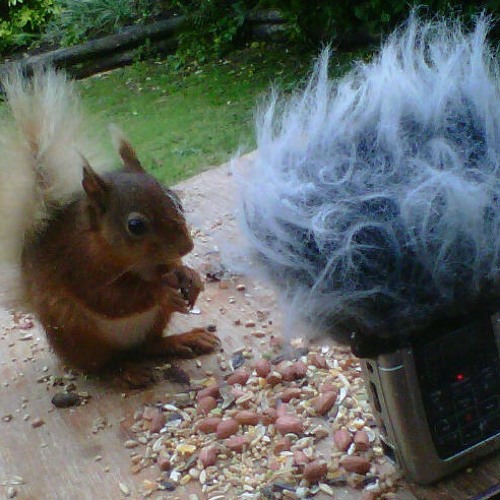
(99, 256)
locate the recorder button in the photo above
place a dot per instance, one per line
(471, 434)
(467, 417)
(445, 426)
(490, 374)
(464, 401)
(488, 406)
(463, 387)
(440, 404)
(488, 382)
(491, 425)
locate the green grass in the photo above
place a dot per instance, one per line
(184, 121)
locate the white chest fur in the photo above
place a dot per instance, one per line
(129, 331)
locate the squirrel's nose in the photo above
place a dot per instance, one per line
(188, 246)
(184, 244)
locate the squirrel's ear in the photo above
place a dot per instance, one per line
(126, 151)
(95, 186)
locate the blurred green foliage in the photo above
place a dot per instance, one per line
(23, 20)
(215, 27)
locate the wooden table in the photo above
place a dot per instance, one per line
(78, 453)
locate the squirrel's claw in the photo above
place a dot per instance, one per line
(190, 284)
(205, 342)
(173, 301)
(136, 377)
(187, 282)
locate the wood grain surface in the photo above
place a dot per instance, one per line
(78, 453)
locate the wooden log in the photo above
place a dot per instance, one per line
(120, 59)
(268, 31)
(270, 16)
(128, 38)
(123, 48)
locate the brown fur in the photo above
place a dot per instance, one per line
(67, 247)
(85, 269)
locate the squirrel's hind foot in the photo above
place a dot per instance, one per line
(134, 376)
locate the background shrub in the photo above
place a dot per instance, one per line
(21, 21)
(214, 27)
(80, 20)
(319, 21)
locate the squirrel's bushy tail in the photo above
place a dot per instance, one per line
(41, 147)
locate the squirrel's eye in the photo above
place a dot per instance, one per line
(136, 225)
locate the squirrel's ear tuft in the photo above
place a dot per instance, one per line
(126, 151)
(95, 186)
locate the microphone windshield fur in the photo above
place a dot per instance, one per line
(373, 200)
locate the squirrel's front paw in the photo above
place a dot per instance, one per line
(174, 301)
(187, 345)
(188, 281)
